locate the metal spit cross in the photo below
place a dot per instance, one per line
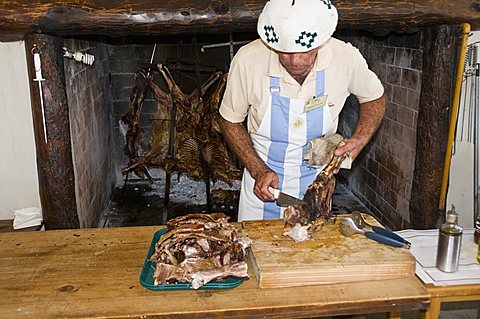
(39, 78)
(230, 44)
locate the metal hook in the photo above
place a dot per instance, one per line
(35, 48)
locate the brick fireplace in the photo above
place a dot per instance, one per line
(99, 95)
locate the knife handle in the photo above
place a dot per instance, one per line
(383, 239)
(389, 233)
(274, 191)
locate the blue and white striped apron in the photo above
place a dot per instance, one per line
(281, 142)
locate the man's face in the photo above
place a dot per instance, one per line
(298, 63)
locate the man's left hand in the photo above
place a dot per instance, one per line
(353, 146)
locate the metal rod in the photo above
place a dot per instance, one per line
(463, 101)
(231, 45)
(44, 122)
(471, 89)
(206, 175)
(149, 74)
(197, 65)
(475, 140)
(125, 182)
(153, 53)
(224, 44)
(171, 132)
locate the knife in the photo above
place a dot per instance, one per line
(283, 199)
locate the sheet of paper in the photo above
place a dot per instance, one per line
(424, 249)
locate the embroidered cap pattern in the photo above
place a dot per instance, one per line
(328, 3)
(270, 34)
(306, 39)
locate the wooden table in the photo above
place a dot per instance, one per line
(450, 294)
(94, 273)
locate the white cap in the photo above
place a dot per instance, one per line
(297, 25)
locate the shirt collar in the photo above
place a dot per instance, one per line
(324, 57)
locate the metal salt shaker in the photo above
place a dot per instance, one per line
(449, 243)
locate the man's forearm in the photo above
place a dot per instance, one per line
(240, 142)
(371, 115)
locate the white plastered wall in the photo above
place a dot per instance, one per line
(460, 189)
(18, 167)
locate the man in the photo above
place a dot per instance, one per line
(291, 84)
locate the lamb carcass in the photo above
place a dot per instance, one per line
(199, 149)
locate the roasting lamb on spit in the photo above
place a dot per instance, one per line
(304, 219)
(199, 248)
(199, 149)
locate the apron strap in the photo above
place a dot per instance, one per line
(320, 84)
(274, 85)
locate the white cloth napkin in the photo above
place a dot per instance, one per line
(424, 249)
(27, 217)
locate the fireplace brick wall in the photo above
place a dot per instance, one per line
(382, 175)
(89, 101)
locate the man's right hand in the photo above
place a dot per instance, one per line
(263, 181)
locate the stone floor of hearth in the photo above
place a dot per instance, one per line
(139, 205)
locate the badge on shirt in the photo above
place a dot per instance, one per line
(315, 103)
(298, 123)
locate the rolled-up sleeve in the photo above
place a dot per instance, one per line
(234, 106)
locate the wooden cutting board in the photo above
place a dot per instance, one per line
(329, 258)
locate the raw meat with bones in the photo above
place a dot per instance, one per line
(199, 147)
(302, 220)
(199, 248)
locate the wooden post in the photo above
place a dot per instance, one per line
(440, 45)
(54, 157)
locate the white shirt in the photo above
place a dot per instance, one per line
(247, 92)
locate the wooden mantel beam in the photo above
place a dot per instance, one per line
(155, 18)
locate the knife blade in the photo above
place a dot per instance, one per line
(283, 199)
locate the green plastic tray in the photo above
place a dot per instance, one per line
(146, 276)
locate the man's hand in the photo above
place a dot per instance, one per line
(352, 146)
(262, 182)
